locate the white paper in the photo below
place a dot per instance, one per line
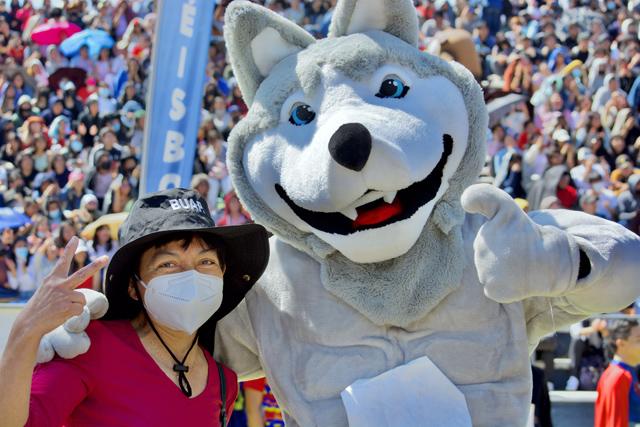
(417, 394)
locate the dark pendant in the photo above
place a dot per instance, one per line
(179, 367)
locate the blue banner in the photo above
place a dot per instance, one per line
(180, 52)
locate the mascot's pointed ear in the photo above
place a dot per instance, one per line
(257, 39)
(397, 17)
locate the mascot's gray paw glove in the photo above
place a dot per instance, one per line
(69, 340)
(516, 258)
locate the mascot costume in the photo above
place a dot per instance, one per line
(397, 293)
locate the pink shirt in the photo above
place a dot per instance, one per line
(117, 383)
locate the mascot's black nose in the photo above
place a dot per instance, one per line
(350, 146)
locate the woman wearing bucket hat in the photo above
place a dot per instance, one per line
(174, 276)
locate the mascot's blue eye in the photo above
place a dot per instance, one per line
(301, 114)
(392, 87)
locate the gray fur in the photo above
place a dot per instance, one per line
(243, 22)
(402, 292)
(402, 19)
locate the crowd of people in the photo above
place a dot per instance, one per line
(560, 79)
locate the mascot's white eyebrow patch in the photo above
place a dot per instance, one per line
(380, 212)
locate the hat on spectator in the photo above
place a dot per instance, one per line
(86, 199)
(68, 86)
(594, 176)
(561, 135)
(99, 154)
(588, 197)
(200, 178)
(131, 106)
(127, 154)
(439, 4)
(105, 130)
(82, 247)
(584, 153)
(43, 177)
(626, 165)
(622, 158)
(93, 98)
(548, 202)
(24, 99)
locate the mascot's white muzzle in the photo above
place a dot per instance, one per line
(362, 176)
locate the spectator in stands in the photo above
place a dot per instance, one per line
(629, 203)
(102, 243)
(618, 402)
(234, 213)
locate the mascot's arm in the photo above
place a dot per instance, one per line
(236, 345)
(612, 282)
(611, 251)
(563, 265)
(586, 262)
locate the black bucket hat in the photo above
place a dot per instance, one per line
(175, 211)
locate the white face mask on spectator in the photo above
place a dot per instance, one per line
(183, 301)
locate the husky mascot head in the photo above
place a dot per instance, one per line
(356, 150)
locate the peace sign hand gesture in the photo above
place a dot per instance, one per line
(56, 300)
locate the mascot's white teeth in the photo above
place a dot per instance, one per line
(390, 197)
(368, 197)
(350, 213)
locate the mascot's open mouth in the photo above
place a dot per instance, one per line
(379, 212)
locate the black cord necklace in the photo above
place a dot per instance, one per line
(178, 366)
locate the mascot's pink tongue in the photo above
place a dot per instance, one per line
(378, 214)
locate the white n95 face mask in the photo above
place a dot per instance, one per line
(183, 301)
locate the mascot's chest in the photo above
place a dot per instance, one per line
(469, 338)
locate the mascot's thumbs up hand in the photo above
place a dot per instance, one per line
(516, 258)
(69, 339)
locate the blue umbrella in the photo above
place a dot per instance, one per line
(94, 39)
(10, 218)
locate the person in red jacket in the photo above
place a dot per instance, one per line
(618, 402)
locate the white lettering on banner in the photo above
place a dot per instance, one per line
(178, 109)
(187, 204)
(174, 150)
(173, 147)
(170, 180)
(182, 61)
(187, 19)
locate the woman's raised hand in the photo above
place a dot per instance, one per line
(56, 300)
